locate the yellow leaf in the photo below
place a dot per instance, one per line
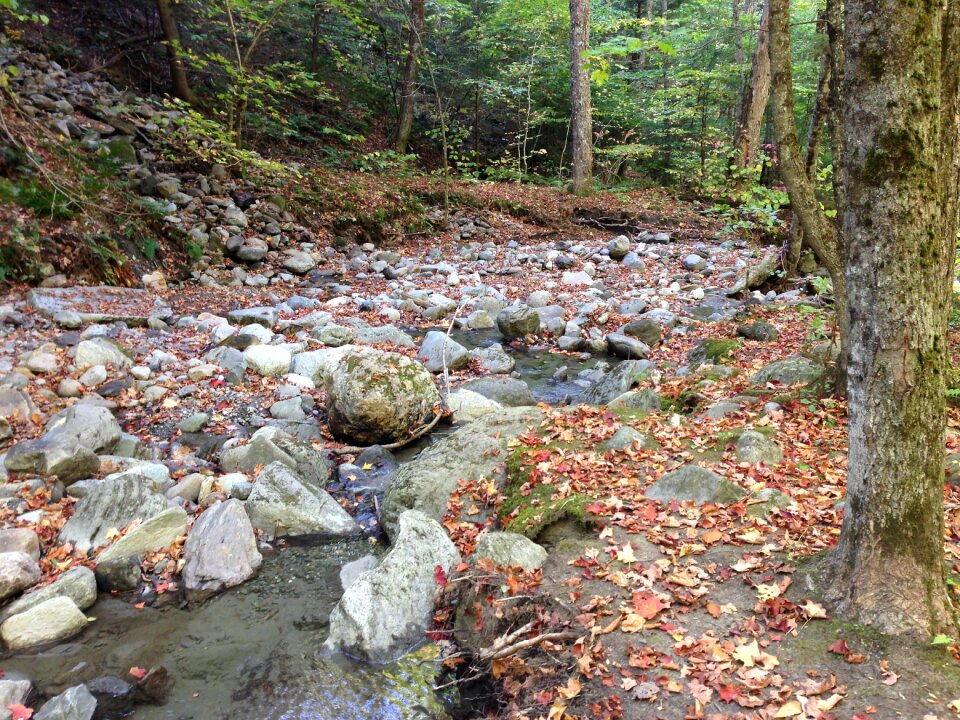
(113, 534)
(814, 610)
(632, 623)
(625, 554)
(768, 592)
(747, 654)
(367, 466)
(571, 690)
(790, 709)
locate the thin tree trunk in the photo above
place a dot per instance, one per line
(900, 220)
(581, 114)
(647, 32)
(179, 84)
(408, 85)
(818, 230)
(755, 97)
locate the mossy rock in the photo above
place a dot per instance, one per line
(713, 350)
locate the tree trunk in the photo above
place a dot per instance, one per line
(900, 220)
(754, 98)
(179, 85)
(581, 113)
(818, 230)
(408, 85)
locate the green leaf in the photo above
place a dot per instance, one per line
(666, 48)
(942, 639)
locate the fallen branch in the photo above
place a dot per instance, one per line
(416, 435)
(507, 645)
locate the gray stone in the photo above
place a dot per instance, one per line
(518, 321)
(761, 331)
(439, 351)
(383, 335)
(722, 408)
(265, 316)
(268, 445)
(110, 504)
(509, 392)
(494, 359)
(334, 335)
(281, 504)
(78, 583)
(510, 549)
(23, 540)
(18, 571)
(352, 570)
(694, 263)
(616, 382)
(118, 574)
(299, 263)
(795, 370)
(99, 304)
(624, 346)
(318, 365)
(16, 406)
(55, 619)
(155, 533)
(468, 406)
(754, 447)
(619, 247)
(101, 351)
(625, 438)
(221, 551)
(13, 692)
(387, 610)
(694, 483)
(376, 397)
(268, 360)
(645, 329)
(647, 399)
(74, 704)
(195, 423)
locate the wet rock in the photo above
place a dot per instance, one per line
(494, 359)
(268, 360)
(795, 370)
(626, 347)
(78, 584)
(115, 697)
(616, 382)
(509, 392)
(118, 574)
(221, 551)
(18, 571)
(101, 351)
(22, 540)
(518, 321)
(761, 331)
(268, 445)
(378, 397)
(155, 533)
(695, 483)
(387, 609)
(77, 703)
(438, 351)
(154, 687)
(55, 619)
(352, 570)
(475, 451)
(110, 504)
(510, 549)
(468, 406)
(13, 692)
(280, 504)
(754, 447)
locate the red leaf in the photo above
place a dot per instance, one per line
(20, 712)
(138, 672)
(647, 605)
(839, 648)
(440, 576)
(729, 693)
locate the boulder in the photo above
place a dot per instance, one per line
(619, 247)
(388, 609)
(55, 619)
(78, 583)
(110, 504)
(281, 504)
(627, 347)
(507, 549)
(74, 704)
(221, 551)
(156, 533)
(616, 382)
(473, 452)
(439, 351)
(378, 397)
(795, 370)
(468, 406)
(760, 331)
(18, 571)
(692, 482)
(101, 351)
(494, 359)
(518, 321)
(754, 447)
(268, 360)
(625, 438)
(23, 540)
(509, 392)
(269, 445)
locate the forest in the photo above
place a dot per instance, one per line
(460, 359)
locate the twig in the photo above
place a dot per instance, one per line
(416, 435)
(492, 654)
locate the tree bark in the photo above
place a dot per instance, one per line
(818, 230)
(900, 220)
(581, 113)
(755, 96)
(179, 84)
(408, 85)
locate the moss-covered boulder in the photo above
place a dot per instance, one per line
(795, 370)
(378, 397)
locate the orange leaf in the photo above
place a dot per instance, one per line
(647, 605)
(138, 672)
(20, 712)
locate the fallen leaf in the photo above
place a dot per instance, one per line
(20, 712)
(138, 672)
(790, 709)
(571, 690)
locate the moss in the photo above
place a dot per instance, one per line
(717, 350)
(627, 415)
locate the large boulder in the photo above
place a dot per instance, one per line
(476, 451)
(78, 583)
(69, 447)
(616, 382)
(18, 571)
(55, 619)
(221, 551)
(156, 533)
(269, 445)
(386, 610)
(268, 360)
(796, 370)
(318, 365)
(692, 482)
(468, 406)
(377, 397)
(518, 321)
(101, 351)
(110, 504)
(504, 390)
(77, 703)
(439, 351)
(281, 504)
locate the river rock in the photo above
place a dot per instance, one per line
(55, 619)
(468, 406)
(754, 447)
(280, 504)
(692, 482)
(110, 504)
(646, 330)
(378, 397)
(318, 365)
(432, 353)
(78, 583)
(15, 406)
(23, 540)
(647, 399)
(13, 692)
(626, 347)
(18, 571)
(619, 247)
(384, 334)
(761, 331)
(694, 263)
(508, 549)
(101, 351)
(77, 703)
(268, 360)
(518, 321)
(795, 370)
(506, 391)
(494, 359)
(221, 551)
(475, 451)
(387, 610)
(156, 533)
(269, 445)
(616, 382)
(625, 438)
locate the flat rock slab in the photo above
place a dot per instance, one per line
(100, 304)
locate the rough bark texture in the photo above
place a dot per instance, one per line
(818, 230)
(900, 220)
(755, 96)
(408, 85)
(179, 84)
(581, 114)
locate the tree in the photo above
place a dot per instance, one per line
(179, 83)
(408, 84)
(581, 113)
(755, 96)
(818, 230)
(901, 175)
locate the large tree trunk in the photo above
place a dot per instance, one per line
(581, 114)
(900, 220)
(754, 99)
(179, 85)
(408, 85)
(818, 230)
